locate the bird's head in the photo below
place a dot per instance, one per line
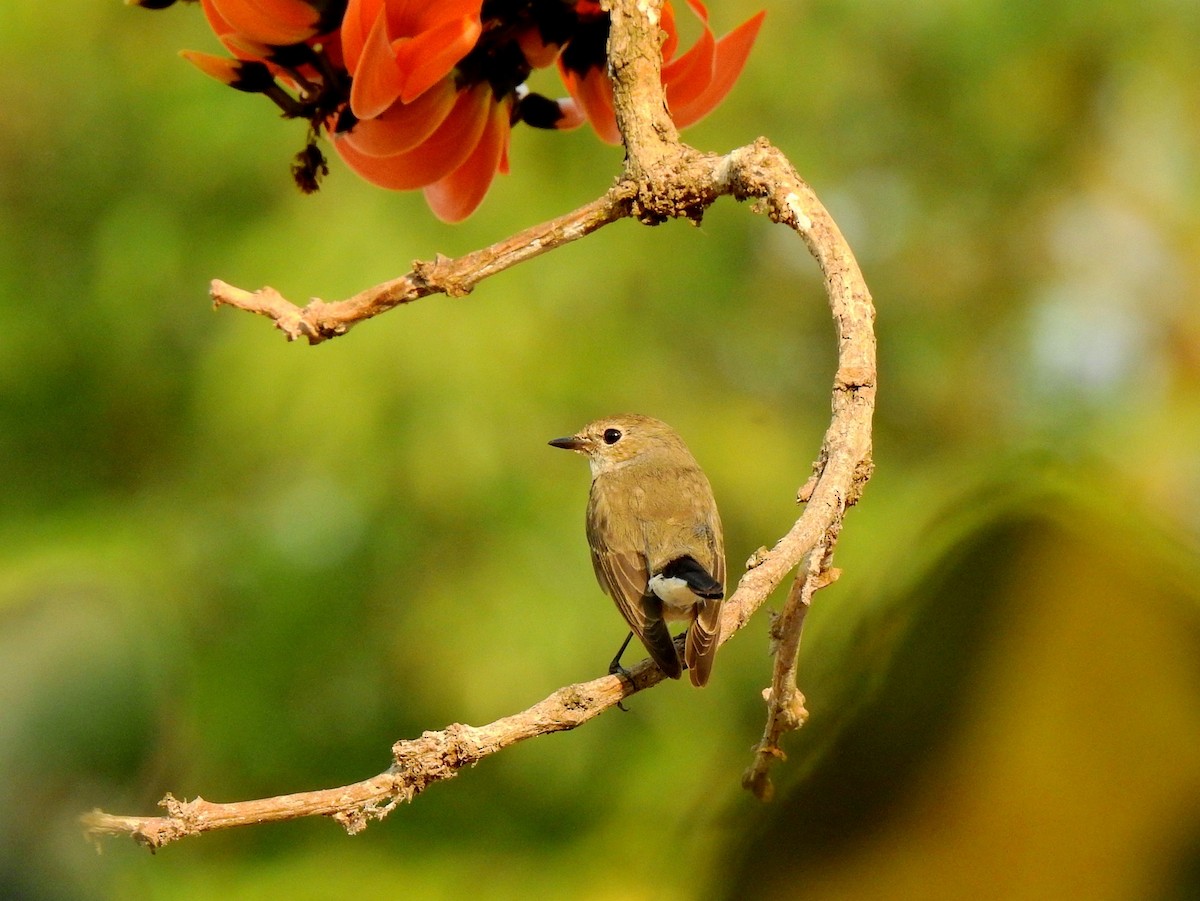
(615, 441)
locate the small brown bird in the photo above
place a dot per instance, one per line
(655, 537)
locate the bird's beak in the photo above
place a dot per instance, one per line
(571, 442)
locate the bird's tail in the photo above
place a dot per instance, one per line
(702, 640)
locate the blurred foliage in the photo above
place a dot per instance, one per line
(234, 567)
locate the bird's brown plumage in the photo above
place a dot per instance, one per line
(651, 505)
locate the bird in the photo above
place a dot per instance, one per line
(655, 538)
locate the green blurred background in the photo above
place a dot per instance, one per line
(235, 567)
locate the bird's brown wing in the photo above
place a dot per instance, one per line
(624, 575)
(620, 575)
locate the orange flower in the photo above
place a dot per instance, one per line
(242, 24)
(412, 124)
(443, 150)
(694, 83)
(398, 49)
(281, 34)
(455, 156)
(424, 93)
(455, 196)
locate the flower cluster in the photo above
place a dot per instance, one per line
(424, 93)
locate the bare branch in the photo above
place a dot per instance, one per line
(319, 320)
(841, 471)
(785, 702)
(418, 763)
(663, 179)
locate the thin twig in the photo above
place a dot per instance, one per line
(320, 320)
(418, 763)
(785, 702)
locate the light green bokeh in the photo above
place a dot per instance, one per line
(235, 567)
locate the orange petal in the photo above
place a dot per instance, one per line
(221, 68)
(593, 94)
(244, 48)
(430, 56)
(356, 25)
(572, 115)
(537, 52)
(667, 24)
(402, 126)
(423, 14)
(215, 20)
(270, 21)
(455, 197)
(411, 17)
(243, 75)
(404, 19)
(377, 81)
(687, 78)
(502, 166)
(730, 57)
(445, 151)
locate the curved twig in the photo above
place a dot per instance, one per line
(785, 702)
(663, 179)
(320, 320)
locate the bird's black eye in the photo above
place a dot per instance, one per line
(612, 436)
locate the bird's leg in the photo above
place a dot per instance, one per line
(615, 668)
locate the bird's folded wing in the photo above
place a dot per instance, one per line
(624, 578)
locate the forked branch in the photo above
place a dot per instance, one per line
(663, 179)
